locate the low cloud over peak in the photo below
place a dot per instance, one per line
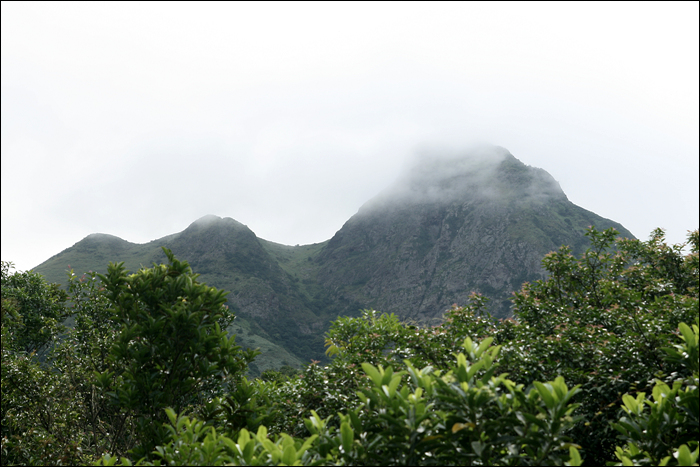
(481, 173)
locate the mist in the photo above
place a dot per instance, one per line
(135, 120)
(474, 174)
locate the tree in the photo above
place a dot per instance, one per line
(463, 416)
(602, 321)
(172, 350)
(37, 310)
(38, 407)
(667, 432)
(598, 363)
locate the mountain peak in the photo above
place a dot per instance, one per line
(211, 220)
(481, 174)
(206, 220)
(453, 224)
(103, 236)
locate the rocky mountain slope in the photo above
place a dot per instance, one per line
(452, 225)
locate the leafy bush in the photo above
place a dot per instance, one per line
(596, 365)
(38, 410)
(602, 321)
(35, 308)
(666, 433)
(172, 347)
(465, 415)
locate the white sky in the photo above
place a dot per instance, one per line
(135, 119)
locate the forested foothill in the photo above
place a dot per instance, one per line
(597, 365)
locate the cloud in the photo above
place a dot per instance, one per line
(137, 120)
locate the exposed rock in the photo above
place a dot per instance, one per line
(450, 226)
(480, 223)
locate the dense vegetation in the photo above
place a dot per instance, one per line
(599, 364)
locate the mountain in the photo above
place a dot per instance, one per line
(480, 221)
(452, 226)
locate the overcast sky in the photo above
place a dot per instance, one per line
(135, 119)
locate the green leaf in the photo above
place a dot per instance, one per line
(271, 449)
(388, 375)
(688, 334)
(631, 404)
(262, 433)
(307, 444)
(393, 385)
(347, 436)
(289, 456)
(373, 373)
(546, 395)
(172, 416)
(684, 456)
(574, 456)
(660, 392)
(474, 368)
(483, 346)
(243, 437)
(357, 425)
(248, 450)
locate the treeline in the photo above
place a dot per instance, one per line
(599, 364)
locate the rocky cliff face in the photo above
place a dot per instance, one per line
(479, 223)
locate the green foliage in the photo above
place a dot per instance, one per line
(602, 321)
(379, 338)
(39, 412)
(35, 309)
(38, 407)
(596, 366)
(667, 432)
(171, 348)
(283, 374)
(83, 352)
(463, 416)
(194, 443)
(249, 405)
(326, 390)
